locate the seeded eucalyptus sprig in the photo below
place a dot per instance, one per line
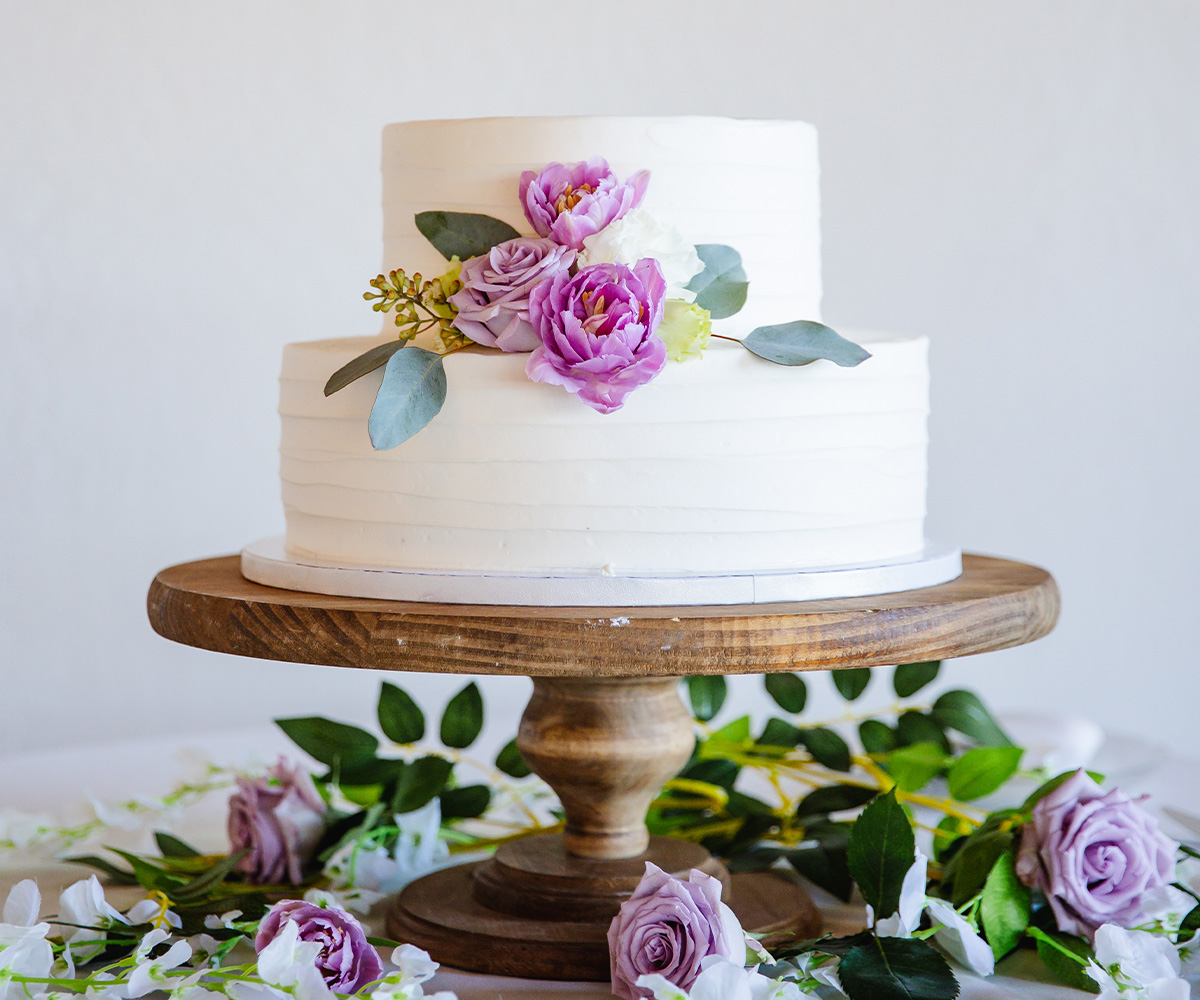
(420, 304)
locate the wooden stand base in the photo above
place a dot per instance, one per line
(537, 912)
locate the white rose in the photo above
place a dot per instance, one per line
(639, 234)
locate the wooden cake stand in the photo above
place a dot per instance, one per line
(605, 727)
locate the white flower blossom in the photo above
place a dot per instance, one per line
(721, 979)
(639, 234)
(150, 974)
(1135, 965)
(24, 950)
(83, 905)
(23, 904)
(364, 873)
(959, 939)
(153, 910)
(907, 917)
(291, 964)
(224, 921)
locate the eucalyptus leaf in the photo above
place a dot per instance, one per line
(851, 682)
(364, 364)
(399, 716)
(964, 712)
(721, 287)
(914, 766)
(463, 718)
(826, 747)
(332, 743)
(981, 771)
(893, 968)
(411, 394)
(1004, 906)
(788, 690)
(707, 695)
(463, 234)
(877, 737)
(834, 798)
(510, 761)
(909, 678)
(880, 852)
(779, 733)
(802, 342)
(466, 802)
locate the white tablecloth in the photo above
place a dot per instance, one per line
(62, 783)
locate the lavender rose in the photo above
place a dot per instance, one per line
(1096, 856)
(597, 331)
(669, 927)
(346, 960)
(570, 202)
(493, 305)
(278, 818)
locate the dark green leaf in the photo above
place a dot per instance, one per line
(778, 733)
(834, 798)
(826, 747)
(981, 771)
(424, 778)
(200, 885)
(852, 682)
(880, 852)
(381, 771)
(173, 847)
(463, 234)
(896, 969)
(964, 712)
(1189, 926)
(332, 743)
(721, 287)
(909, 678)
(1004, 908)
(463, 718)
(150, 876)
(399, 717)
(1066, 957)
(788, 690)
(914, 766)
(968, 870)
(707, 695)
(382, 942)
(824, 866)
(118, 875)
(364, 364)
(877, 737)
(916, 727)
(722, 773)
(802, 342)
(411, 394)
(510, 761)
(466, 802)
(949, 831)
(756, 859)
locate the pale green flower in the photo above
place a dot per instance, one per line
(685, 329)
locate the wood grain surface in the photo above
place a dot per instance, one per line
(995, 604)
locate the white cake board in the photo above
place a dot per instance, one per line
(267, 562)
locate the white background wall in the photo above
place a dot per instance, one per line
(184, 187)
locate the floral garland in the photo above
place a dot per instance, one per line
(1082, 875)
(600, 297)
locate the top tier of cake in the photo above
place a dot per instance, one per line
(752, 185)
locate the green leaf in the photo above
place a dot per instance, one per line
(802, 342)
(896, 969)
(877, 737)
(824, 865)
(1188, 926)
(914, 766)
(466, 802)
(399, 716)
(852, 682)
(909, 678)
(118, 875)
(707, 695)
(200, 885)
(968, 870)
(737, 731)
(1004, 908)
(332, 743)
(150, 876)
(424, 778)
(881, 850)
(788, 690)
(364, 364)
(463, 718)
(721, 287)
(463, 234)
(949, 830)
(827, 748)
(378, 771)
(834, 798)
(1066, 957)
(981, 771)
(510, 761)
(722, 773)
(411, 394)
(916, 727)
(173, 847)
(779, 733)
(964, 712)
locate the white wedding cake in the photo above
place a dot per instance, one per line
(723, 464)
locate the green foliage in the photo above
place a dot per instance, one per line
(917, 727)
(510, 761)
(834, 798)
(964, 712)
(909, 678)
(364, 364)
(1066, 957)
(463, 718)
(825, 864)
(707, 695)
(877, 737)
(779, 733)
(173, 847)
(399, 717)
(411, 394)
(852, 682)
(981, 771)
(971, 859)
(466, 802)
(332, 743)
(880, 851)
(419, 782)
(721, 287)
(1004, 907)
(914, 766)
(463, 234)
(802, 342)
(418, 305)
(1188, 926)
(788, 690)
(826, 747)
(896, 969)
(737, 731)
(1046, 787)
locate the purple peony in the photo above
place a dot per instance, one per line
(570, 202)
(597, 331)
(346, 961)
(669, 927)
(1096, 856)
(493, 305)
(278, 818)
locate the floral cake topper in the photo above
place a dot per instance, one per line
(601, 297)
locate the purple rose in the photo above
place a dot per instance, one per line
(570, 202)
(346, 961)
(669, 927)
(278, 818)
(597, 331)
(493, 306)
(1094, 855)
